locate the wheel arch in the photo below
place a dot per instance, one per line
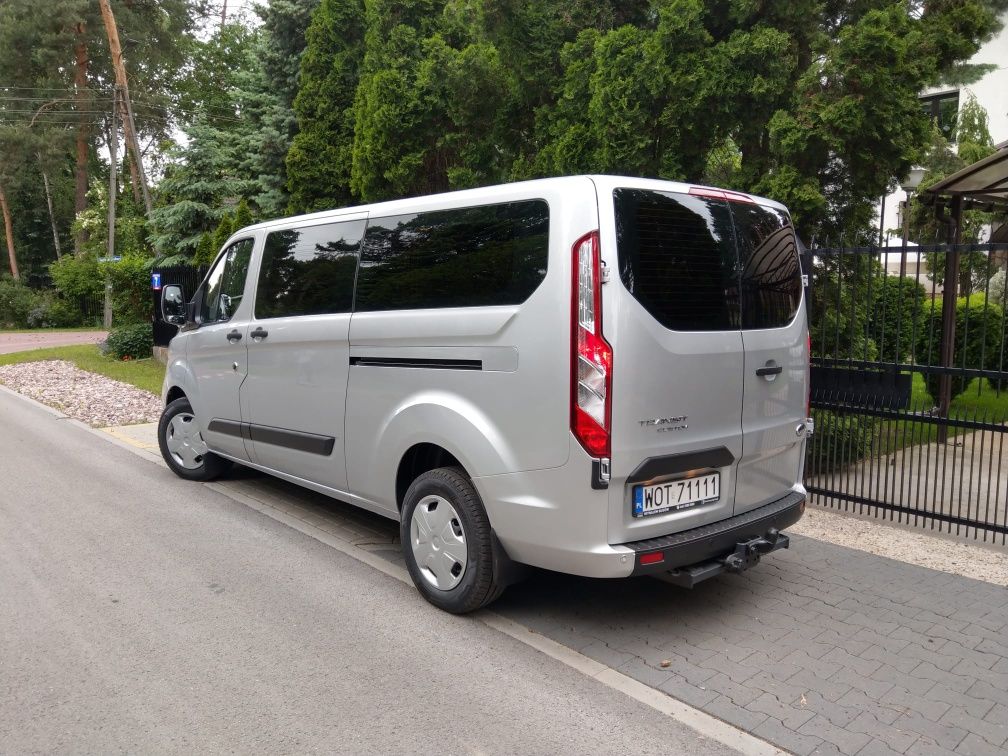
(418, 459)
(173, 393)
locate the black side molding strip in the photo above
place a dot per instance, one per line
(673, 464)
(311, 443)
(226, 427)
(417, 362)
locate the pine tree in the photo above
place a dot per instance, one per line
(320, 157)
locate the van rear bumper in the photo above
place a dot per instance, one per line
(718, 539)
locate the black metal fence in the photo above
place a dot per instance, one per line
(188, 277)
(910, 384)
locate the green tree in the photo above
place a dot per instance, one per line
(321, 154)
(275, 84)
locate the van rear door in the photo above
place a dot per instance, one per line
(672, 320)
(774, 334)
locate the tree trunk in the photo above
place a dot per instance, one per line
(52, 217)
(81, 167)
(9, 229)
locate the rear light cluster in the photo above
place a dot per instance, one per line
(591, 356)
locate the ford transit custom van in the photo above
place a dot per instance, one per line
(597, 375)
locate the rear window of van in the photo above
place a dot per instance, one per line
(703, 264)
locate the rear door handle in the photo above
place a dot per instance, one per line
(765, 371)
(234, 336)
(259, 333)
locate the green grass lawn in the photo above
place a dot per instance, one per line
(146, 374)
(979, 401)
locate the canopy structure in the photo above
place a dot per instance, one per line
(985, 181)
(982, 184)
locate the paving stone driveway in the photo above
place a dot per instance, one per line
(820, 649)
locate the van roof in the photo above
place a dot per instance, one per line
(603, 183)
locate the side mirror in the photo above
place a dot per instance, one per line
(173, 308)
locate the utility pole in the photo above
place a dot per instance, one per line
(129, 128)
(113, 190)
(223, 14)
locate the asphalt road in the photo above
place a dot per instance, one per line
(142, 613)
(12, 341)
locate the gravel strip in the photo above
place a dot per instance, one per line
(96, 400)
(883, 539)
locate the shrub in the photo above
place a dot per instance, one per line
(131, 292)
(76, 277)
(976, 346)
(16, 302)
(839, 439)
(49, 311)
(134, 341)
(897, 309)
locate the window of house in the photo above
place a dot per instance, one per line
(943, 110)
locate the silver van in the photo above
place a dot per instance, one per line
(598, 375)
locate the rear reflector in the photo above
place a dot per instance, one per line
(653, 558)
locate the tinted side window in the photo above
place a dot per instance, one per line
(677, 258)
(225, 285)
(771, 272)
(490, 255)
(309, 271)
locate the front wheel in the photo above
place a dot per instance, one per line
(447, 542)
(183, 447)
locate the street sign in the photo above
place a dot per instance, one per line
(155, 281)
(106, 258)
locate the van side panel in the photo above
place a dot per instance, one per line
(489, 384)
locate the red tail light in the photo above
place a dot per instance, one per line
(591, 356)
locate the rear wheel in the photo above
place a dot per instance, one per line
(447, 542)
(183, 447)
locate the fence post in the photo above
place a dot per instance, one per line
(949, 296)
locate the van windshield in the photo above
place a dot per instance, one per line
(703, 264)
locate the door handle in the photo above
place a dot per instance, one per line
(234, 336)
(768, 370)
(259, 333)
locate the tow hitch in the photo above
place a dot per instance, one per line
(746, 554)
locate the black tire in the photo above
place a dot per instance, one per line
(208, 465)
(480, 583)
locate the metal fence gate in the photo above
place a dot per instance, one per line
(910, 386)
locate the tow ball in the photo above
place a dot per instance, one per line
(747, 553)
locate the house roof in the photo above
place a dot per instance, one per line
(984, 181)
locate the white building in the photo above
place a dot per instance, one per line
(991, 93)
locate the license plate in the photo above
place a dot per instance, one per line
(676, 494)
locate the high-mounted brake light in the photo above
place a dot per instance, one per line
(591, 356)
(725, 194)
